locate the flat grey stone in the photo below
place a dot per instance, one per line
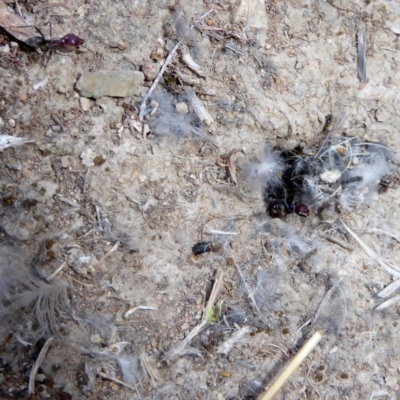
(112, 83)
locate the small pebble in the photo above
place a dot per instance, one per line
(85, 103)
(142, 178)
(150, 71)
(11, 122)
(185, 326)
(40, 377)
(14, 167)
(182, 108)
(159, 54)
(330, 176)
(96, 338)
(64, 162)
(23, 96)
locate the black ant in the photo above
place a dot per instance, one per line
(203, 247)
(64, 44)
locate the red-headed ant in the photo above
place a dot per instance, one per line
(274, 209)
(64, 44)
(302, 210)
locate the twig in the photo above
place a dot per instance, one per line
(391, 269)
(248, 290)
(38, 363)
(57, 271)
(132, 310)
(58, 122)
(115, 380)
(98, 218)
(338, 242)
(308, 379)
(48, 5)
(164, 67)
(377, 231)
(195, 331)
(293, 365)
(115, 247)
(18, 8)
(229, 47)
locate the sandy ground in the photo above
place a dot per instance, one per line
(120, 209)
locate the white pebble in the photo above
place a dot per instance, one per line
(182, 108)
(330, 176)
(85, 103)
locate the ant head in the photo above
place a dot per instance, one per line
(302, 210)
(72, 40)
(274, 210)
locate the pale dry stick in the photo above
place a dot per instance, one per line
(115, 247)
(222, 233)
(388, 303)
(38, 363)
(248, 290)
(308, 379)
(362, 54)
(57, 271)
(337, 241)
(164, 67)
(376, 230)
(132, 310)
(293, 365)
(280, 348)
(196, 330)
(395, 272)
(49, 5)
(18, 8)
(389, 289)
(115, 380)
(98, 218)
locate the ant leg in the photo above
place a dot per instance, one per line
(40, 32)
(48, 59)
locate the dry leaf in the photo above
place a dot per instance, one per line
(14, 24)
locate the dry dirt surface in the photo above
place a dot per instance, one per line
(262, 106)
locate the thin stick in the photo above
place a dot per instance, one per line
(337, 241)
(164, 67)
(195, 331)
(38, 363)
(293, 365)
(115, 380)
(57, 271)
(392, 269)
(115, 247)
(48, 5)
(214, 293)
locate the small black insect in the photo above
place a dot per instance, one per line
(328, 123)
(386, 183)
(202, 247)
(352, 180)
